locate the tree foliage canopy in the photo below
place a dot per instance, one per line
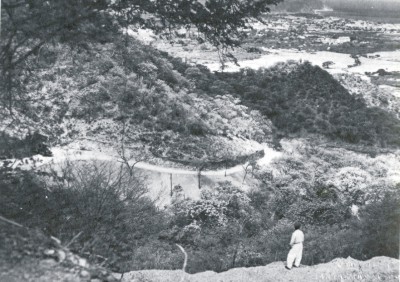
(39, 22)
(28, 25)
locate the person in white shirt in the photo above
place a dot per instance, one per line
(296, 252)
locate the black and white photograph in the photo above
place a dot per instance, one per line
(199, 140)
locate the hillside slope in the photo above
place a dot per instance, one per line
(340, 269)
(126, 92)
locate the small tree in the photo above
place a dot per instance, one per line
(216, 226)
(327, 64)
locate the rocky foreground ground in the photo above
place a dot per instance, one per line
(349, 269)
(340, 269)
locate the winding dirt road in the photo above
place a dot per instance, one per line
(61, 155)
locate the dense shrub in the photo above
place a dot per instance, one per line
(226, 228)
(380, 225)
(107, 205)
(300, 98)
(32, 144)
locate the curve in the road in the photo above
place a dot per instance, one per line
(61, 155)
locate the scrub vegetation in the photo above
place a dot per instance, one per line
(303, 97)
(123, 229)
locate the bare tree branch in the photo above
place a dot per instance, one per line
(185, 260)
(11, 221)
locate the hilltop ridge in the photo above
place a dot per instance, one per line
(339, 269)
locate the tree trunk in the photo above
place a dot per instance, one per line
(199, 178)
(9, 77)
(235, 255)
(170, 180)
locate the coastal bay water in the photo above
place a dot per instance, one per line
(369, 15)
(384, 11)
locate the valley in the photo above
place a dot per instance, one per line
(125, 145)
